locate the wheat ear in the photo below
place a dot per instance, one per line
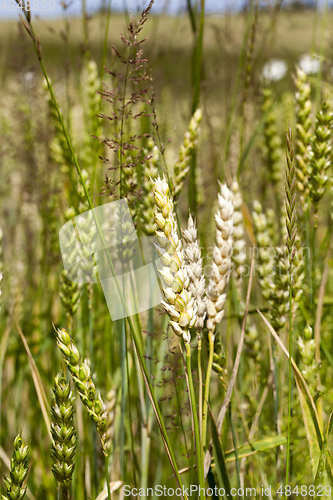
(63, 435)
(179, 302)
(81, 376)
(18, 471)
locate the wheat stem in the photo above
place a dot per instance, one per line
(207, 384)
(198, 447)
(106, 458)
(200, 384)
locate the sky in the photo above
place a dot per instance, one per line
(52, 8)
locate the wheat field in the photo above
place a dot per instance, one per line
(166, 216)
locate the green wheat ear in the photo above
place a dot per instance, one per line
(320, 155)
(84, 384)
(18, 471)
(63, 434)
(291, 197)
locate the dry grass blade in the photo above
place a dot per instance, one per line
(36, 378)
(4, 457)
(114, 486)
(227, 399)
(3, 344)
(248, 224)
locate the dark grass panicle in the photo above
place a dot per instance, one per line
(131, 99)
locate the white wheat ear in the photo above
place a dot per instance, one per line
(193, 262)
(179, 303)
(221, 265)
